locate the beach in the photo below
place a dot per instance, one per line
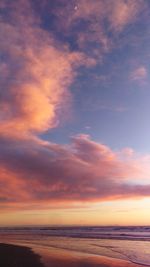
(74, 246)
(20, 256)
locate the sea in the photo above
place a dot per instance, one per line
(131, 243)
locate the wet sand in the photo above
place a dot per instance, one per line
(21, 256)
(52, 257)
(90, 262)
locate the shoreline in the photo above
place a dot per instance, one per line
(64, 259)
(12, 255)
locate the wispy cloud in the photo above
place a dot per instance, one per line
(91, 22)
(139, 74)
(123, 13)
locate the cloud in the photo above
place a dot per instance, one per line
(36, 72)
(139, 74)
(118, 13)
(91, 22)
(35, 171)
(124, 13)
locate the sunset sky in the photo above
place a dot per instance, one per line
(74, 112)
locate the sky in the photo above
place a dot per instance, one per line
(74, 112)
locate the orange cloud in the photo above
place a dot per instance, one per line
(36, 73)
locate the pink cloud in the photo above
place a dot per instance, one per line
(124, 13)
(37, 72)
(34, 171)
(118, 13)
(139, 74)
(91, 17)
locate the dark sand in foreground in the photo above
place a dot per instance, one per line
(18, 256)
(21, 256)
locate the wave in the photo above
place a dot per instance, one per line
(126, 233)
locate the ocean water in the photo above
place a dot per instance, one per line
(128, 243)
